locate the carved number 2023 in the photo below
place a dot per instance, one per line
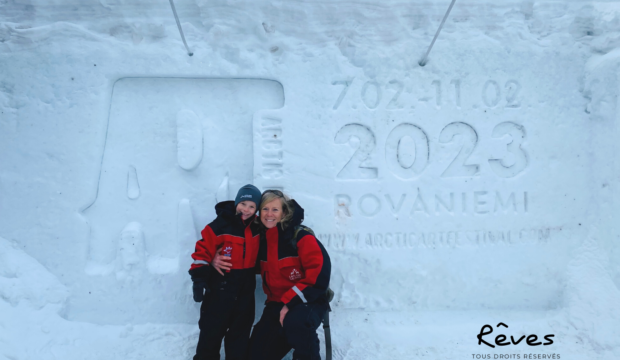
(410, 164)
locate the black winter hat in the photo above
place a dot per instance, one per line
(248, 193)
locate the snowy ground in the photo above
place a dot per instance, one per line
(478, 189)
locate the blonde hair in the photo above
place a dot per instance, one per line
(287, 210)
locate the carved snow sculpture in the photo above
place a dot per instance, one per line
(189, 140)
(186, 230)
(154, 164)
(223, 193)
(133, 186)
(131, 252)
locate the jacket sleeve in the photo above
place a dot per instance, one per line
(317, 267)
(204, 253)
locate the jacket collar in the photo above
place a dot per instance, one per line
(227, 211)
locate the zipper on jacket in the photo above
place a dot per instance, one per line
(244, 238)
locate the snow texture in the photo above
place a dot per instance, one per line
(480, 188)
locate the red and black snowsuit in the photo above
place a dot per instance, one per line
(228, 310)
(295, 270)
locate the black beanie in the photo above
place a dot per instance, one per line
(248, 193)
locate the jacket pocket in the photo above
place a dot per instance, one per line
(290, 269)
(233, 246)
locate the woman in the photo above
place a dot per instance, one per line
(227, 308)
(295, 270)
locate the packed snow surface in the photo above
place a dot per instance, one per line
(481, 188)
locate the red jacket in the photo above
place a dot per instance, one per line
(227, 230)
(294, 270)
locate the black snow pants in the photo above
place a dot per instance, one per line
(227, 312)
(270, 341)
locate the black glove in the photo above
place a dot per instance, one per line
(200, 289)
(200, 277)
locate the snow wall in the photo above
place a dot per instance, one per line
(477, 189)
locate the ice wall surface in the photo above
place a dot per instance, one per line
(478, 189)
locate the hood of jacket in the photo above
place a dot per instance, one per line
(298, 214)
(297, 219)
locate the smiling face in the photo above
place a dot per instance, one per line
(271, 213)
(246, 209)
